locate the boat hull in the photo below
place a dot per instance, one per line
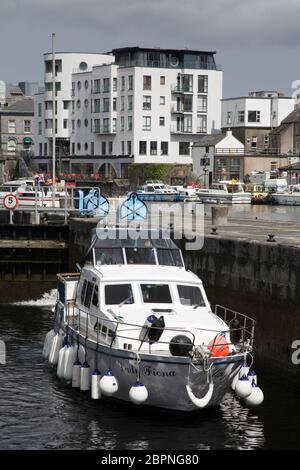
(286, 199)
(165, 377)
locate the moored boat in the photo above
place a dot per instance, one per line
(135, 326)
(157, 191)
(288, 197)
(224, 192)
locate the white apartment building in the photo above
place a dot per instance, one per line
(139, 105)
(252, 117)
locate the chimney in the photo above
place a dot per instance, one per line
(228, 132)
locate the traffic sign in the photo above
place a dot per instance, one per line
(10, 202)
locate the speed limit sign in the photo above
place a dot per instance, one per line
(10, 202)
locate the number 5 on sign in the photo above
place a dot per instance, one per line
(10, 202)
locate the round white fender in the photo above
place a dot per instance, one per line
(256, 398)
(47, 343)
(69, 359)
(95, 387)
(56, 345)
(138, 393)
(60, 365)
(243, 387)
(85, 377)
(108, 384)
(200, 402)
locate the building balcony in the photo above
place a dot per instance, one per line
(179, 89)
(180, 130)
(104, 131)
(247, 151)
(180, 110)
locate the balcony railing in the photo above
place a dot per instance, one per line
(251, 151)
(180, 130)
(180, 89)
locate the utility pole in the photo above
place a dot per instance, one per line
(53, 120)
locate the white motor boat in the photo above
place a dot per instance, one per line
(225, 192)
(29, 195)
(287, 197)
(157, 191)
(135, 326)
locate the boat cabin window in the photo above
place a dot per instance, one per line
(88, 295)
(140, 256)
(95, 300)
(150, 189)
(156, 293)
(169, 257)
(235, 188)
(118, 293)
(83, 291)
(109, 256)
(190, 295)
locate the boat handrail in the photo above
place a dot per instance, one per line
(110, 335)
(228, 315)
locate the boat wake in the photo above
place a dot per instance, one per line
(48, 299)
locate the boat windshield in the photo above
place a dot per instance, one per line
(156, 293)
(235, 188)
(116, 294)
(169, 257)
(140, 256)
(190, 295)
(108, 256)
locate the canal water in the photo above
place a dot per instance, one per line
(38, 411)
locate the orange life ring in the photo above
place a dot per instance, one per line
(219, 346)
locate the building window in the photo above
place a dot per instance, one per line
(73, 106)
(184, 148)
(11, 145)
(78, 123)
(253, 116)
(187, 123)
(202, 123)
(65, 123)
(162, 80)
(114, 104)
(86, 103)
(122, 103)
(114, 125)
(229, 117)
(254, 141)
(123, 147)
(27, 126)
(161, 121)
(123, 83)
(40, 149)
(162, 100)
(78, 85)
(153, 148)
(130, 82)
(105, 105)
(78, 146)
(266, 140)
(241, 117)
(45, 150)
(97, 125)
(106, 125)
(110, 147)
(147, 82)
(130, 101)
(146, 123)
(143, 147)
(40, 128)
(92, 148)
(188, 103)
(234, 168)
(128, 147)
(11, 126)
(103, 148)
(86, 85)
(106, 85)
(86, 146)
(78, 104)
(73, 125)
(122, 123)
(202, 104)
(129, 121)
(273, 167)
(202, 83)
(147, 102)
(40, 109)
(86, 122)
(97, 86)
(115, 84)
(187, 83)
(97, 106)
(164, 148)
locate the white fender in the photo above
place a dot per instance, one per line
(200, 402)
(48, 342)
(60, 364)
(56, 346)
(69, 359)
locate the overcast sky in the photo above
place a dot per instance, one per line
(257, 41)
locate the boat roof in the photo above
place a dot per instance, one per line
(149, 273)
(123, 237)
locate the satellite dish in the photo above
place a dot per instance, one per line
(174, 62)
